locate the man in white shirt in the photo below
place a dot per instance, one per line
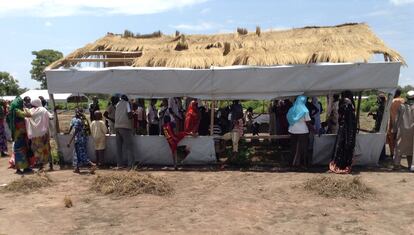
(124, 132)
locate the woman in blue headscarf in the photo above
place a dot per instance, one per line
(298, 118)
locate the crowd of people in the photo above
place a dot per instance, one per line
(300, 119)
(25, 122)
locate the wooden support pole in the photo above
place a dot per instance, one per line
(110, 60)
(359, 108)
(57, 127)
(56, 119)
(212, 117)
(386, 114)
(115, 53)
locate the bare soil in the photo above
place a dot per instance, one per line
(209, 202)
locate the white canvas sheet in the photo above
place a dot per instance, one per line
(236, 82)
(150, 150)
(367, 149)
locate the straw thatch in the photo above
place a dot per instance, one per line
(341, 43)
(333, 186)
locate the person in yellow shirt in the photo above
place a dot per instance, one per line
(98, 132)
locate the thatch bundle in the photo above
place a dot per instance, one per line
(27, 184)
(340, 186)
(342, 43)
(131, 184)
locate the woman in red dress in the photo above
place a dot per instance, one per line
(192, 119)
(172, 138)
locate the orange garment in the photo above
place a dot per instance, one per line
(395, 105)
(192, 119)
(171, 137)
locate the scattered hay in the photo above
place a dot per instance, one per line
(131, 184)
(331, 187)
(68, 202)
(29, 183)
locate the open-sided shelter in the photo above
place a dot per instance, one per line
(240, 65)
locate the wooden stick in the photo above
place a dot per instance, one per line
(57, 128)
(359, 108)
(110, 60)
(212, 117)
(115, 53)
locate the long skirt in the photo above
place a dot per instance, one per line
(344, 151)
(3, 138)
(41, 148)
(80, 153)
(22, 157)
(299, 149)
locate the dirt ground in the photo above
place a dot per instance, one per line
(210, 202)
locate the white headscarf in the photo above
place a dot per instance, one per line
(38, 124)
(36, 103)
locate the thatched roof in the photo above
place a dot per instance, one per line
(341, 43)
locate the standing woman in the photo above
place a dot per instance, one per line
(21, 159)
(80, 135)
(299, 119)
(192, 119)
(37, 126)
(345, 140)
(3, 138)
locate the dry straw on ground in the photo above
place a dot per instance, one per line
(131, 184)
(29, 183)
(339, 186)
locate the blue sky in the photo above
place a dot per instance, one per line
(28, 25)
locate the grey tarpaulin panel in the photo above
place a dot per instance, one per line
(150, 150)
(367, 150)
(236, 82)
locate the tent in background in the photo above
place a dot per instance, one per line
(59, 97)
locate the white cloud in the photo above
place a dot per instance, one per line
(48, 24)
(205, 11)
(56, 8)
(401, 2)
(195, 27)
(378, 13)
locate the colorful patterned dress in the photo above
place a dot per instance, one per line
(41, 148)
(80, 154)
(22, 155)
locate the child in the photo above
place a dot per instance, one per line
(98, 131)
(80, 136)
(322, 130)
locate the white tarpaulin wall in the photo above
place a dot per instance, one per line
(236, 82)
(201, 150)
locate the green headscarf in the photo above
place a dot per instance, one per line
(17, 104)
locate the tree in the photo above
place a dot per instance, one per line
(43, 59)
(9, 85)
